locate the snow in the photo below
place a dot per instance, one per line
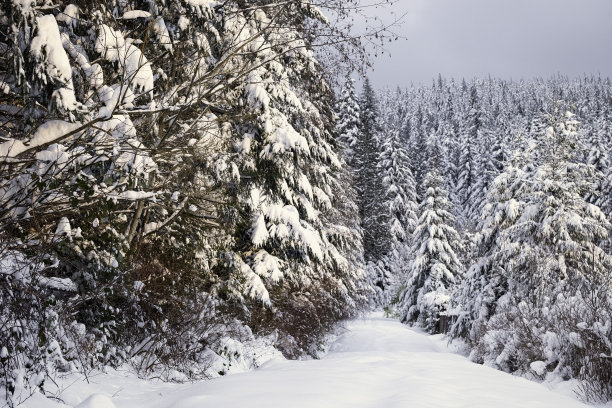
(267, 266)
(137, 70)
(378, 362)
(16, 264)
(183, 23)
(161, 31)
(46, 133)
(52, 130)
(539, 367)
(109, 43)
(70, 15)
(202, 3)
(260, 234)
(132, 14)
(282, 139)
(63, 227)
(97, 401)
(11, 148)
(47, 48)
(132, 195)
(152, 226)
(255, 287)
(288, 219)
(93, 73)
(63, 284)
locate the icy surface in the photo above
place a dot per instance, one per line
(377, 363)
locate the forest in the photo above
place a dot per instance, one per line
(183, 182)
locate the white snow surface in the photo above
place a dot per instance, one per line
(377, 362)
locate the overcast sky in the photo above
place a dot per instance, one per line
(504, 38)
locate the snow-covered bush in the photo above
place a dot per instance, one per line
(567, 337)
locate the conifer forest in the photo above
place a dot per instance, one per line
(194, 188)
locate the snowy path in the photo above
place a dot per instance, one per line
(377, 363)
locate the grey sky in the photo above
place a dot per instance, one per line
(504, 38)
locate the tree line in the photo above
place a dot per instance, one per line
(487, 210)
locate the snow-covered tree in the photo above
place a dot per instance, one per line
(163, 159)
(401, 198)
(518, 213)
(539, 247)
(485, 281)
(369, 180)
(417, 149)
(598, 156)
(553, 245)
(348, 120)
(436, 268)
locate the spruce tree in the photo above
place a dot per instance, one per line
(349, 123)
(539, 246)
(418, 152)
(436, 268)
(369, 180)
(400, 202)
(553, 246)
(485, 281)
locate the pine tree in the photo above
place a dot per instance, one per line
(369, 180)
(418, 152)
(551, 247)
(485, 281)
(401, 197)
(598, 156)
(466, 171)
(436, 269)
(539, 246)
(490, 163)
(349, 122)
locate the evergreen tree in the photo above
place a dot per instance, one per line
(418, 151)
(466, 172)
(485, 282)
(400, 186)
(436, 269)
(539, 247)
(348, 120)
(174, 166)
(552, 247)
(401, 197)
(369, 181)
(490, 163)
(598, 156)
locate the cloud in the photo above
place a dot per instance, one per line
(504, 38)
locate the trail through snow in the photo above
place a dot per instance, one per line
(378, 362)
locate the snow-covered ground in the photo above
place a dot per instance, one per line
(378, 362)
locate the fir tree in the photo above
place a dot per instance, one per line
(485, 281)
(435, 269)
(401, 197)
(553, 246)
(369, 180)
(349, 122)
